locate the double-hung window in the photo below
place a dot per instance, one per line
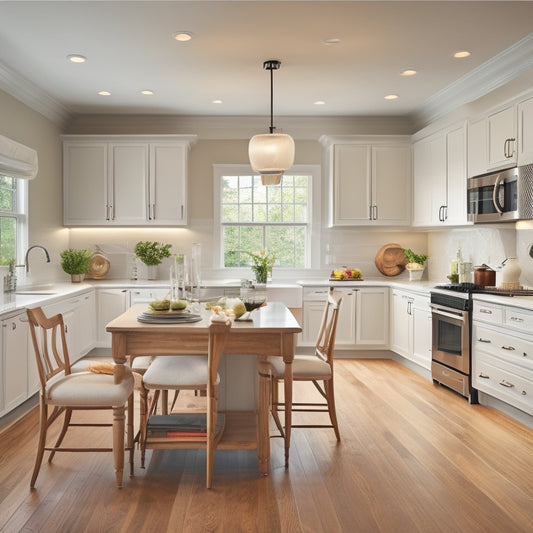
(253, 217)
(13, 218)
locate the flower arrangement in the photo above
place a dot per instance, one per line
(262, 264)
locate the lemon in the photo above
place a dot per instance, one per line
(239, 309)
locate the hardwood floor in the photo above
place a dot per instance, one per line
(413, 457)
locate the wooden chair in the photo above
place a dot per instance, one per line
(315, 368)
(66, 390)
(187, 372)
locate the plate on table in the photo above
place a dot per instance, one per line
(168, 318)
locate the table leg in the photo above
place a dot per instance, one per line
(263, 434)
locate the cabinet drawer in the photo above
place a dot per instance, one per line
(487, 313)
(519, 319)
(499, 343)
(498, 379)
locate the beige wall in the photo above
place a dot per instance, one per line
(28, 127)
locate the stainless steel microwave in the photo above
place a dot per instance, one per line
(506, 195)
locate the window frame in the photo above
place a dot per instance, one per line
(312, 253)
(21, 216)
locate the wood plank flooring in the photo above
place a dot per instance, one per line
(414, 457)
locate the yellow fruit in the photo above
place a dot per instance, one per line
(239, 309)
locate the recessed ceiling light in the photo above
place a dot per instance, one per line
(408, 72)
(461, 54)
(104, 93)
(391, 97)
(332, 40)
(147, 92)
(76, 58)
(183, 36)
(216, 101)
(319, 102)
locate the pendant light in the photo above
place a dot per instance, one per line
(271, 154)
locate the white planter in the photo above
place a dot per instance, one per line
(416, 275)
(151, 271)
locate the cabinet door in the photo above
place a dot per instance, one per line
(477, 147)
(401, 324)
(502, 138)
(128, 188)
(15, 351)
(312, 318)
(85, 183)
(352, 184)
(168, 184)
(372, 316)
(430, 180)
(456, 212)
(422, 335)
(391, 184)
(86, 323)
(345, 335)
(110, 303)
(525, 132)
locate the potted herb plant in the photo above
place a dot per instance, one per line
(151, 253)
(415, 264)
(76, 263)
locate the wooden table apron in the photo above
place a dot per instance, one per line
(272, 333)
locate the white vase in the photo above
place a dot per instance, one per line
(151, 271)
(511, 271)
(416, 275)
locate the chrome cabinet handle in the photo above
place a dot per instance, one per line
(516, 319)
(484, 376)
(507, 384)
(486, 311)
(488, 341)
(375, 212)
(509, 348)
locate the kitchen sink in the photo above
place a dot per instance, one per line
(36, 289)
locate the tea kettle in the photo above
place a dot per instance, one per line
(511, 271)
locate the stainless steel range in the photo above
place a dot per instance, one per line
(451, 319)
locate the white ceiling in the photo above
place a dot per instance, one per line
(129, 47)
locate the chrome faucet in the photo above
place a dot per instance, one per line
(26, 262)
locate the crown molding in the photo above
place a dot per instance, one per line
(487, 77)
(34, 97)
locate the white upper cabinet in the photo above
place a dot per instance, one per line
(125, 180)
(439, 180)
(369, 180)
(525, 132)
(501, 139)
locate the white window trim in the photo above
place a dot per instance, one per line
(313, 258)
(21, 214)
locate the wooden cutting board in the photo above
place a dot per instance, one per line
(390, 259)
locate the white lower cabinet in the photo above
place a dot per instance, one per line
(15, 361)
(411, 327)
(363, 318)
(502, 354)
(110, 303)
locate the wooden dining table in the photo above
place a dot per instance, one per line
(271, 332)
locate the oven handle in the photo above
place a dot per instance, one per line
(441, 312)
(495, 191)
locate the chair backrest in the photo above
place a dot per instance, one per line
(325, 344)
(49, 344)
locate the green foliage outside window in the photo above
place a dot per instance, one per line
(255, 217)
(8, 224)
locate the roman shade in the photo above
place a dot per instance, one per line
(17, 160)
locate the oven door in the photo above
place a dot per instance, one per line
(451, 337)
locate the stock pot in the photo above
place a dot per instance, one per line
(484, 276)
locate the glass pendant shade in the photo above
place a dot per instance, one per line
(270, 155)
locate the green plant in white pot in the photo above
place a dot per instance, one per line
(415, 264)
(152, 253)
(76, 263)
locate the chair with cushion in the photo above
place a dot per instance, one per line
(188, 372)
(316, 368)
(67, 390)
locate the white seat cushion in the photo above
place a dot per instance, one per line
(177, 372)
(84, 389)
(304, 367)
(141, 364)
